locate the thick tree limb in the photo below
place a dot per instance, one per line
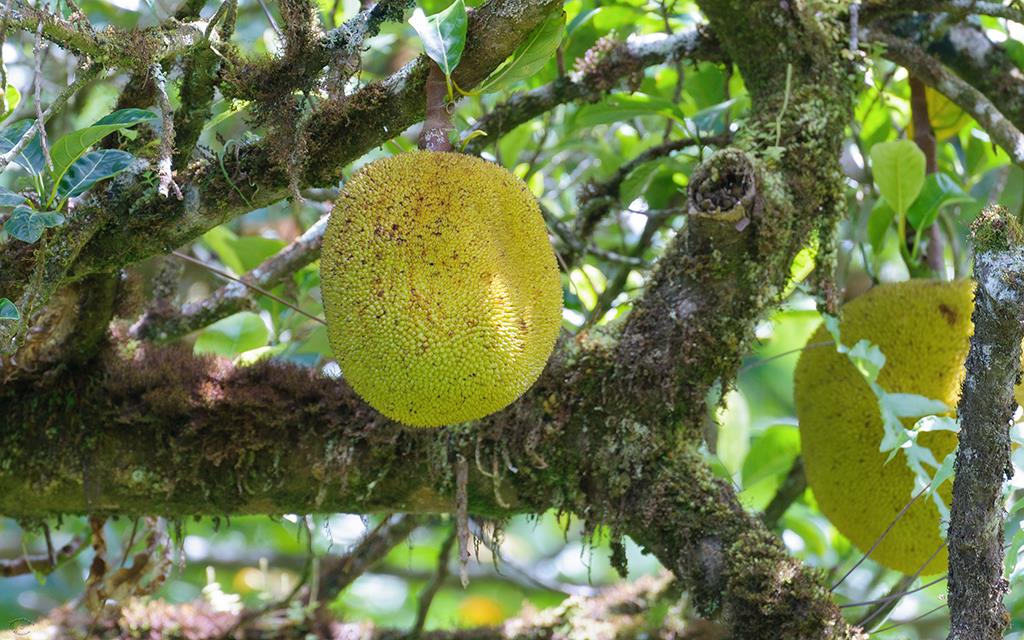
(977, 516)
(125, 49)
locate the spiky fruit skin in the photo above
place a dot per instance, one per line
(441, 290)
(923, 327)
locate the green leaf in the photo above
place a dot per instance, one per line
(638, 180)
(31, 157)
(240, 254)
(27, 225)
(733, 431)
(898, 167)
(68, 149)
(9, 198)
(939, 191)
(618, 107)
(8, 311)
(712, 119)
(90, 169)
(771, 454)
(233, 335)
(11, 99)
(443, 35)
(879, 222)
(530, 57)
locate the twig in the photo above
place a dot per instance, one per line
(912, 620)
(160, 324)
(42, 564)
(167, 183)
(976, 582)
(431, 589)
(87, 75)
(791, 488)
(598, 198)
(270, 18)
(37, 51)
(225, 274)
(866, 620)
(898, 591)
(528, 576)
(636, 53)
(338, 573)
(881, 537)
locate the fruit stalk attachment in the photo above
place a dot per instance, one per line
(438, 122)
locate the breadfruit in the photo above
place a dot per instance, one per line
(923, 327)
(441, 290)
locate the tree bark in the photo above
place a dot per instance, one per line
(976, 583)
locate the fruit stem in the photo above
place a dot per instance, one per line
(438, 122)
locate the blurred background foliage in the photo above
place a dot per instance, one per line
(252, 560)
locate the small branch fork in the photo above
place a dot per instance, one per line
(43, 564)
(976, 583)
(163, 324)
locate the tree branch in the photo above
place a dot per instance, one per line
(968, 52)
(930, 71)
(976, 583)
(603, 71)
(166, 325)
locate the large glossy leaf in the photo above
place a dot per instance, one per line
(31, 157)
(68, 149)
(898, 166)
(90, 169)
(233, 335)
(530, 57)
(939, 191)
(8, 311)
(443, 35)
(28, 225)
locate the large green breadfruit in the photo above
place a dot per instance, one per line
(923, 327)
(441, 290)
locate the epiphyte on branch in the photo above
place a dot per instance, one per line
(441, 291)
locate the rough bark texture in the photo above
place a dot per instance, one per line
(610, 431)
(976, 583)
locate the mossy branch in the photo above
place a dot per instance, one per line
(977, 516)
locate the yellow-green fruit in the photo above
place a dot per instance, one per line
(441, 290)
(923, 327)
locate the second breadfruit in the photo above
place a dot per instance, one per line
(441, 290)
(923, 328)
